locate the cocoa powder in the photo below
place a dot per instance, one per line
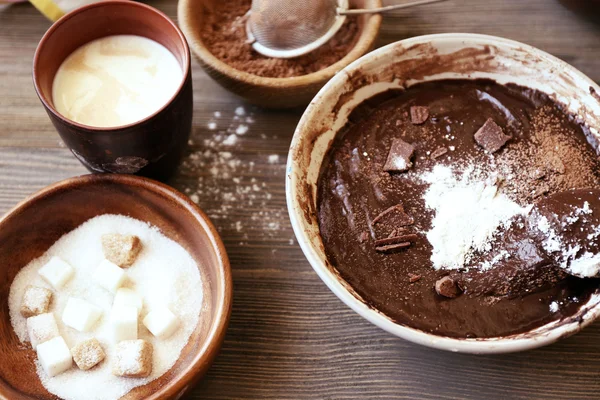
(554, 158)
(224, 35)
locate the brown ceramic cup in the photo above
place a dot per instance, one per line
(150, 147)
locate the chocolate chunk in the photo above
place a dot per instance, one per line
(396, 216)
(363, 237)
(398, 159)
(491, 136)
(438, 152)
(390, 247)
(447, 287)
(419, 114)
(396, 239)
(412, 278)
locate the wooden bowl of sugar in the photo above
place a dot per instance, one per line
(270, 92)
(32, 227)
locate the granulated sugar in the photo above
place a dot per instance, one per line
(164, 274)
(468, 211)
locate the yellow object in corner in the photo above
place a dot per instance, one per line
(48, 8)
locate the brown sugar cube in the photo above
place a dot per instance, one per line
(133, 359)
(36, 301)
(121, 250)
(88, 354)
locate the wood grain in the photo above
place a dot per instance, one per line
(289, 336)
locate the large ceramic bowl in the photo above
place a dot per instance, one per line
(35, 224)
(402, 64)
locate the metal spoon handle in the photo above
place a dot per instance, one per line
(341, 11)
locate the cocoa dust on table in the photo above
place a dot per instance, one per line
(224, 35)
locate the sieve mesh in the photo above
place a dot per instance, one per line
(290, 24)
(291, 28)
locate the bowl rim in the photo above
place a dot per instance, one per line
(211, 346)
(48, 103)
(366, 39)
(494, 345)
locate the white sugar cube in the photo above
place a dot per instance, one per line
(55, 356)
(128, 297)
(81, 315)
(124, 323)
(41, 328)
(161, 322)
(56, 272)
(109, 275)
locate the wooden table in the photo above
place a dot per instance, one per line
(289, 336)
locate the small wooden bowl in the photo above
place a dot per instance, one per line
(271, 92)
(35, 224)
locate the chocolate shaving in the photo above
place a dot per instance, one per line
(393, 233)
(402, 219)
(390, 247)
(396, 239)
(385, 212)
(412, 278)
(419, 114)
(398, 159)
(491, 136)
(438, 152)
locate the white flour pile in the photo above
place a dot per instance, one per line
(164, 274)
(468, 212)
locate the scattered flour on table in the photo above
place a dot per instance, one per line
(163, 274)
(223, 171)
(469, 210)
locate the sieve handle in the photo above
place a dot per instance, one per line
(342, 11)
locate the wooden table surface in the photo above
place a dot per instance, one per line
(289, 336)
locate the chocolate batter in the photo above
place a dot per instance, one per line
(546, 152)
